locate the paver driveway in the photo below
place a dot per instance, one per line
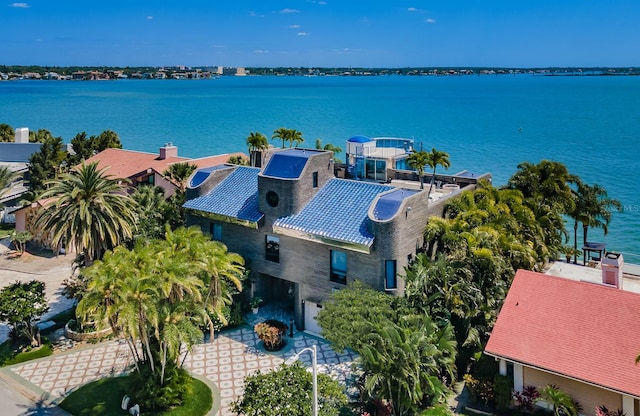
(226, 361)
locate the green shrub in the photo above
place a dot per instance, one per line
(150, 394)
(502, 388)
(30, 354)
(439, 410)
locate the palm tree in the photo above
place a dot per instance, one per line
(179, 172)
(417, 161)
(561, 403)
(593, 208)
(281, 134)
(256, 142)
(295, 137)
(91, 211)
(330, 147)
(435, 158)
(7, 177)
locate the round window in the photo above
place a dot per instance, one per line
(272, 199)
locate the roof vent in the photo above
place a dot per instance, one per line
(612, 269)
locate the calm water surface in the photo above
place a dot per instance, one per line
(486, 123)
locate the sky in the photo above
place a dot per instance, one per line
(322, 33)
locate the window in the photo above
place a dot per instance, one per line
(272, 199)
(390, 280)
(216, 231)
(272, 248)
(339, 267)
(151, 180)
(315, 179)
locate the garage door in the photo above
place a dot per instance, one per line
(311, 310)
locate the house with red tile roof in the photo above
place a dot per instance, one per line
(147, 168)
(581, 336)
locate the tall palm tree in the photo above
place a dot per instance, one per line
(435, 158)
(256, 142)
(281, 134)
(417, 161)
(594, 208)
(295, 137)
(179, 173)
(90, 211)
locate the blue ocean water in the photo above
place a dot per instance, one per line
(486, 123)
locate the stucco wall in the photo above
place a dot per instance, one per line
(587, 395)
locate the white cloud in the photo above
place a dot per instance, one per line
(430, 20)
(149, 17)
(303, 34)
(260, 51)
(294, 27)
(254, 14)
(20, 5)
(412, 9)
(286, 11)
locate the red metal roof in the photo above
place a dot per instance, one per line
(127, 163)
(580, 330)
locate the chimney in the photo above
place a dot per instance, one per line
(168, 150)
(22, 135)
(612, 269)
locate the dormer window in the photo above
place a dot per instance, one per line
(272, 199)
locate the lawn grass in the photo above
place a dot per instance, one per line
(8, 354)
(6, 230)
(104, 397)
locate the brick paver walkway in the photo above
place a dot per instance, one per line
(226, 362)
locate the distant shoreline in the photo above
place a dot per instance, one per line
(8, 73)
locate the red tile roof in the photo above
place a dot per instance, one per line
(127, 163)
(580, 330)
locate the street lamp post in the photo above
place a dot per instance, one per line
(314, 365)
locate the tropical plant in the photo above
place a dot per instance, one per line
(287, 391)
(20, 239)
(89, 210)
(410, 362)
(150, 206)
(561, 403)
(7, 177)
(159, 295)
(21, 305)
(256, 142)
(179, 172)
(295, 138)
(417, 161)
(238, 160)
(84, 147)
(593, 208)
(271, 333)
(527, 398)
(281, 134)
(330, 147)
(603, 411)
(45, 164)
(6, 133)
(437, 158)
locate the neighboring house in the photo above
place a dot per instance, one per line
(305, 233)
(147, 168)
(26, 217)
(579, 335)
(15, 155)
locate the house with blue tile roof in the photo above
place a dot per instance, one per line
(305, 233)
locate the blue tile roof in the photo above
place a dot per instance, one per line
(339, 211)
(388, 204)
(288, 164)
(236, 196)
